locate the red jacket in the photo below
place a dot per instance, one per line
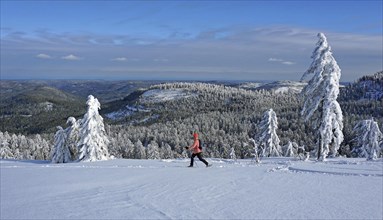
(195, 147)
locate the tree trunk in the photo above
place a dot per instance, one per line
(319, 147)
(319, 127)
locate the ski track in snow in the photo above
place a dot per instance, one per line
(277, 188)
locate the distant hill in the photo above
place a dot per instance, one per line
(36, 108)
(104, 91)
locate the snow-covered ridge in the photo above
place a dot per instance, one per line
(285, 86)
(202, 87)
(163, 95)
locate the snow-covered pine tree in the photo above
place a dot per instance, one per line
(268, 137)
(232, 155)
(255, 151)
(128, 152)
(153, 151)
(5, 151)
(320, 99)
(367, 139)
(139, 150)
(72, 133)
(93, 143)
(289, 150)
(60, 150)
(167, 152)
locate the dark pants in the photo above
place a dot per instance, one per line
(199, 155)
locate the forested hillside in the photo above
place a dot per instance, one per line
(36, 109)
(162, 117)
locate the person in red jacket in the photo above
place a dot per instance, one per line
(196, 151)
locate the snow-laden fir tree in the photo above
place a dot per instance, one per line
(139, 150)
(153, 151)
(5, 151)
(72, 133)
(232, 155)
(256, 153)
(268, 137)
(60, 150)
(93, 143)
(128, 152)
(166, 152)
(367, 139)
(320, 100)
(289, 150)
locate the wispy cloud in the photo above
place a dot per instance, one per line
(120, 59)
(43, 56)
(284, 62)
(288, 63)
(71, 57)
(275, 60)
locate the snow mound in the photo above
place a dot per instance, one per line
(277, 188)
(163, 95)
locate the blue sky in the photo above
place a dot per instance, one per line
(179, 40)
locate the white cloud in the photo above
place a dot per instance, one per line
(121, 59)
(71, 57)
(285, 62)
(43, 56)
(275, 60)
(288, 63)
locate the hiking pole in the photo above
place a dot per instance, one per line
(196, 163)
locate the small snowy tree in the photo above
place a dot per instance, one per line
(255, 152)
(5, 151)
(60, 151)
(93, 144)
(232, 155)
(320, 102)
(139, 150)
(167, 152)
(153, 151)
(289, 150)
(268, 137)
(367, 139)
(128, 152)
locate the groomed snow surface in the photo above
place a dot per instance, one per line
(278, 188)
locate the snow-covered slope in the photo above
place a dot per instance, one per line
(278, 188)
(163, 95)
(150, 96)
(284, 86)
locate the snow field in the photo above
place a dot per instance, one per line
(278, 188)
